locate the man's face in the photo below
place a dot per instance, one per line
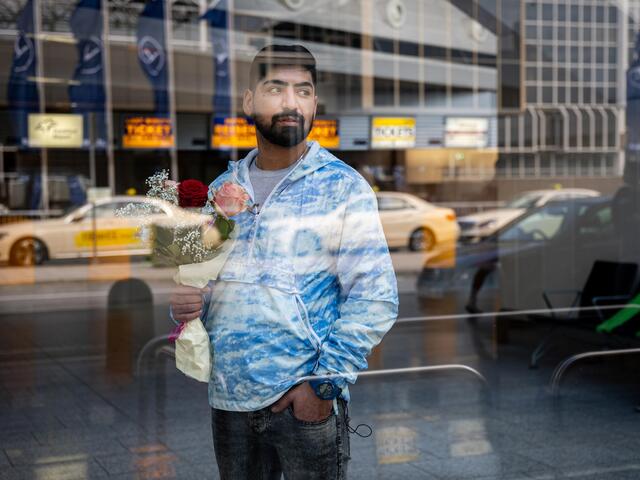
(283, 105)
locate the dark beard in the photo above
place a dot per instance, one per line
(287, 136)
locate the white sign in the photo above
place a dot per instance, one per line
(393, 132)
(466, 132)
(55, 130)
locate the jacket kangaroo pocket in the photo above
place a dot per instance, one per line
(259, 334)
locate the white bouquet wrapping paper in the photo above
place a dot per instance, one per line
(193, 347)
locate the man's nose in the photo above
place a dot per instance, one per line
(289, 99)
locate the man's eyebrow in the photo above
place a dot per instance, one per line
(281, 83)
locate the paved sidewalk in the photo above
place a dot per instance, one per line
(68, 418)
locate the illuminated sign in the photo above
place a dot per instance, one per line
(233, 132)
(325, 132)
(393, 132)
(148, 132)
(466, 132)
(238, 132)
(55, 131)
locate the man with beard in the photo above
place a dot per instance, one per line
(305, 294)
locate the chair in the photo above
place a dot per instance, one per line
(608, 283)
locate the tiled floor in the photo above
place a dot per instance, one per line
(65, 417)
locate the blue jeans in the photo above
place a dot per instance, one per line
(262, 445)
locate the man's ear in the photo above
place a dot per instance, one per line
(247, 102)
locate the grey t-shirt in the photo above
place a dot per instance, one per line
(264, 181)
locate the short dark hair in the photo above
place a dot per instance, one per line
(273, 56)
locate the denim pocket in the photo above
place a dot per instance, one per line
(307, 423)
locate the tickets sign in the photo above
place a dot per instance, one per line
(393, 132)
(148, 132)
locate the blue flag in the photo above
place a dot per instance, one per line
(87, 93)
(152, 51)
(22, 91)
(218, 19)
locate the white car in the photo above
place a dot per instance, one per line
(409, 221)
(72, 236)
(481, 225)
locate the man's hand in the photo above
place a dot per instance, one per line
(186, 303)
(306, 404)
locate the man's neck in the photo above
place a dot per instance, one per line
(275, 157)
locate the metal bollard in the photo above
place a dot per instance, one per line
(129, 323)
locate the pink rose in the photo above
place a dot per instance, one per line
(231, 198)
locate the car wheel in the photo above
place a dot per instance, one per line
(28, 251)
(422, 239)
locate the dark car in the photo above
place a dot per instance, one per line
(550, 248)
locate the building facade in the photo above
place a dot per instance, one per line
(481, 91)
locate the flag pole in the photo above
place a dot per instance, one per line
(172, 98)
(106, 62)
(44, 153)
(232, 68)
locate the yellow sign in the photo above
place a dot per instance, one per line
(55, 131)
(325, 132)
(233, 132)
(148, 132)
(238, 132)
(393, 132)
(108, 237)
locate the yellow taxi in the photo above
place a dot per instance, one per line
(95, 229)
(409, 221)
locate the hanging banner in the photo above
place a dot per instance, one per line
(22, 90)
(218, 19)
(152, 52)
(86, 93)
(393, 132)
(55, 130)
(147, 132)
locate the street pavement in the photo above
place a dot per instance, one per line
(83, 285)
(74, 405)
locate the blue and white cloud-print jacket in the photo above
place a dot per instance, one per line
(308, 289)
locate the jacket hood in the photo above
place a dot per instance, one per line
(315, 158)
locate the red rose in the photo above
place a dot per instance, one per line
(192, 194)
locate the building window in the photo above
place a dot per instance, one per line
(383, 45)
(461, 97)
(532, 11)
(435, 95)
(383, 92)
(409, 93)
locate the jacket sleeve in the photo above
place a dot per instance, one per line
(368, 301)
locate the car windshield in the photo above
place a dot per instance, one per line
(542, 225)
(525, 201)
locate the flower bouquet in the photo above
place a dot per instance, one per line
(198, 244)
